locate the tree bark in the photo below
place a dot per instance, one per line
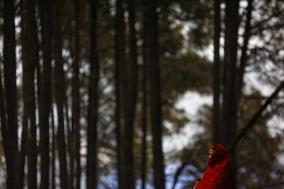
(3, 114)
(70, 141)
(120, 60)
(76, 99)
(230, 108)
(130, 101)
(53, 151)
(60, 95)
(9, 46)
(92, 165)
(152, 59)
(23, 152)
(144, 122)
(45, 91)
(229, 114)
(125, 99)
(145, 106)
(216, 73)
(144, 133)
(30, 55)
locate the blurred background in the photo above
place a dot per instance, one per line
(131, 93)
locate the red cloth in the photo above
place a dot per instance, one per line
(218, 174)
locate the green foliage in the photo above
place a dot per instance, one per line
(197, 15)
(171, 38)
(183, 73)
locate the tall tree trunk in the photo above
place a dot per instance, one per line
(70, 141)
(92, 165)
(53, 151)
(144, 120)
(60, 95)
(45, 91)
(152, 59)
(30, 54)
(23, 151)
(145, 106)
(3, 114)
(144, 133)
(125, 100)
(24, 136)
(119, 62)
(216, 73)
(117, 119)
(76, 99)
(9, 46)
(229, 113)
(130, 101)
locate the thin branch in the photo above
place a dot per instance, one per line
(178, 173)
(256, 116)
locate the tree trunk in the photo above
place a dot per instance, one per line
(119, 62)
(9, 46)
(117, 120)
(45, 91)
(130, 101)
(70, 141)
(216, 73)
(229, 114)
(152, 59)
(144, 123)
(29, 37)
(3, 114)
(24, 136)
(60, 95)
(23, 152)
(92, 165)
(76, 99)
(144, 132)
(145, 109)
(53, 151)
(125, 99)
(229, 111)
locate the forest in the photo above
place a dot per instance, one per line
(130, 94)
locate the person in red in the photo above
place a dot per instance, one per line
(218, 174)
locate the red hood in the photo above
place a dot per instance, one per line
(219, 156)
(218, 175)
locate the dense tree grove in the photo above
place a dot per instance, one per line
(93, 92)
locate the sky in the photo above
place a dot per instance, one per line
(190, 102)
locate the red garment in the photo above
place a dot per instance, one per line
(218, 175)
